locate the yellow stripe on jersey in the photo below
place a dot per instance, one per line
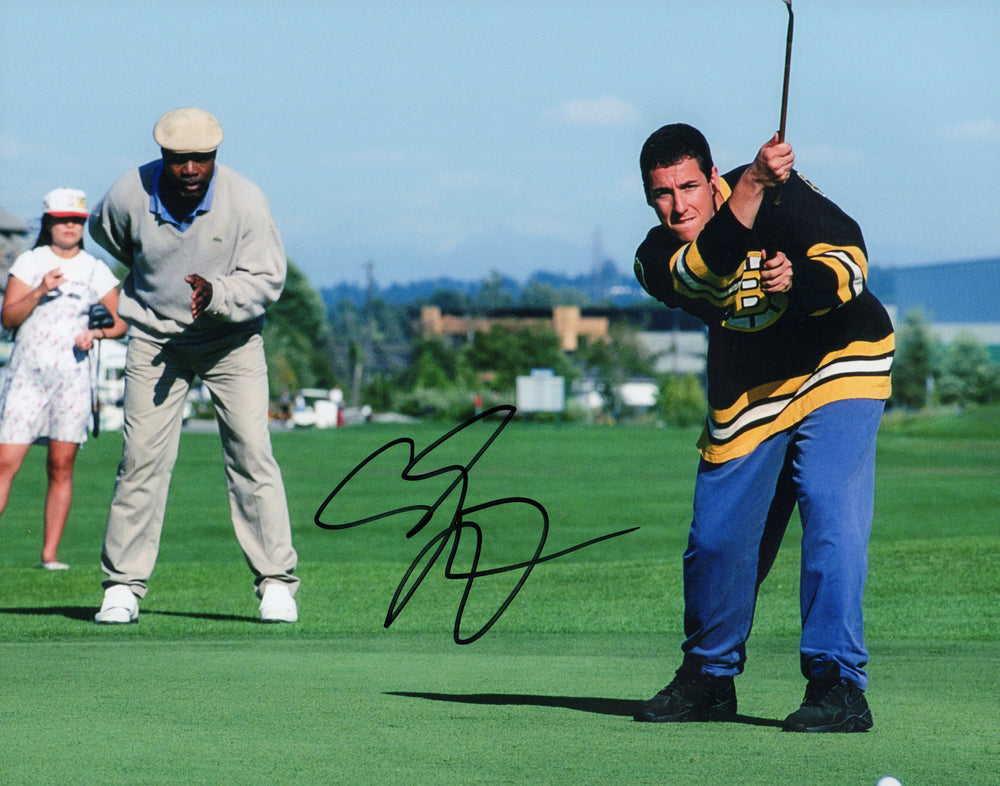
(848, 263)
(860, 370)
(695, 280)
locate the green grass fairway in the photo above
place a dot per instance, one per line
(200, 692)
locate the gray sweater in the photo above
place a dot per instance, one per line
(235, 246)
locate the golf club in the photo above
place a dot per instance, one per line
(788, 64)
(784, 88)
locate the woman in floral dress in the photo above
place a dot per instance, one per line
(45, 393)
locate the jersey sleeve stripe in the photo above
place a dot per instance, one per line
(695, 280)
(848, 263)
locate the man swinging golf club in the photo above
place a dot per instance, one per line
(798, 370)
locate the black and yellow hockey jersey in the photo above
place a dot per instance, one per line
(774, 359)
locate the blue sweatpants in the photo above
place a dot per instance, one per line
(826, 464)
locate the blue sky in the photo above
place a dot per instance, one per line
(446, 138)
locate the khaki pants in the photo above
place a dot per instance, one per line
(158, 375)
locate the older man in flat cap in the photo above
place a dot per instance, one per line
(205, 260)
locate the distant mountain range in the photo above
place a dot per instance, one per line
(950, 292)
(954, 292)
(606, 285)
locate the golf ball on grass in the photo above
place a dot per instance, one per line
(888, 780)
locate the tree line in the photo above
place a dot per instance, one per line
(374, 351)
(928, 372)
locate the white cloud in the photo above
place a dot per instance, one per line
(986, 129)
(605, 111)
(11, 147)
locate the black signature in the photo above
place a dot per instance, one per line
(458, 525)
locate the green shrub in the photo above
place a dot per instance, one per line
(437, 404)
(682, 400)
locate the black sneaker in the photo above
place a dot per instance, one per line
(830, 705)
(691, 696)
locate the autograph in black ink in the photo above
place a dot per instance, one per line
(458, 525)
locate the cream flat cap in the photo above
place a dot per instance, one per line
(188, 130)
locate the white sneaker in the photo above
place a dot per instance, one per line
(55, 565)
(278, 605)
(119, 607)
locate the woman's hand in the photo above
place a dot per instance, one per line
(85, 340)
(21, 298)
(51, 280)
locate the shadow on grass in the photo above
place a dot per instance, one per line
(202, 616)
(620, 707)
(79, 613)
(86, 613)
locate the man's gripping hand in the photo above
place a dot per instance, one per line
(201, 294)
(776, 274)
(773, 164)
(771, 168)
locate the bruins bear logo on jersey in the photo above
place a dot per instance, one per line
(753, 308)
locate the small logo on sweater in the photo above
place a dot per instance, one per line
(216, 239)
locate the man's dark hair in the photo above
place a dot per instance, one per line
(670, 145)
